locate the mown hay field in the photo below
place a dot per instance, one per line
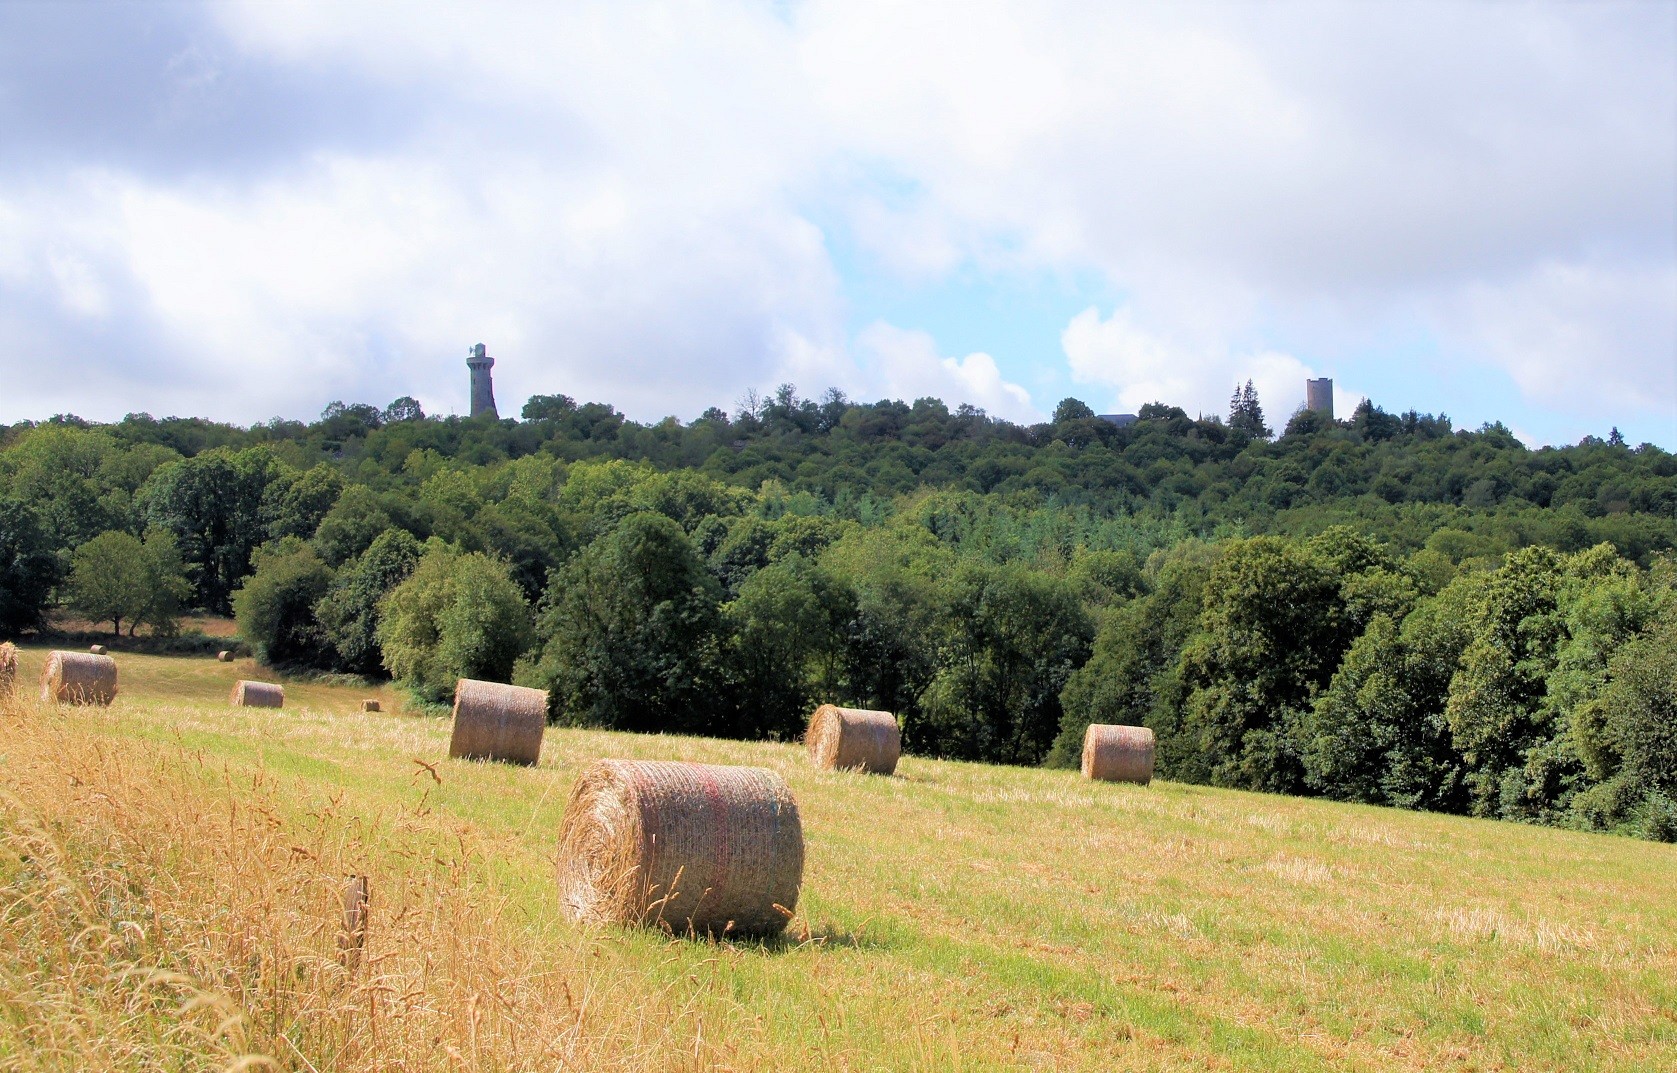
(172, 868)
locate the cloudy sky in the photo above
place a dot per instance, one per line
(249, 210)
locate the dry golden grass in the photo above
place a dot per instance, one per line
(172, 869)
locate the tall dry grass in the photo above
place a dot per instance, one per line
(158, 911)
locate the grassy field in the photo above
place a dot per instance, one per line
(171, 869)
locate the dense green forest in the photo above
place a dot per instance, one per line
(1382, 609)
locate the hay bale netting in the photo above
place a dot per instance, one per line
(695, 848)
(224, 656)
(371, 706)
(257, 695)
(845, 738)
(1118, 753)
(8, 667)
(98, 650)
(78, 678)
(497, 722)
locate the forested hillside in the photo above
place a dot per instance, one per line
(1383, 609)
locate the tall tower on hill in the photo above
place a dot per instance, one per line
(1318, 395)
(483, 388)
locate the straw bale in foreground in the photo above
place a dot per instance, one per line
(497, 722)
(257, 695)
(78, 678)
(854, 738)
(1118, 753)
(694, 848)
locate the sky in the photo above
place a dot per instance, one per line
(242, 211)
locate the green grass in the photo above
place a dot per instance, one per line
(969, 917)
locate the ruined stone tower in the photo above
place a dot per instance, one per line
(1318, 395)
(483, 388)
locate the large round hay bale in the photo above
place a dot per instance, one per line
(8, 667)
(224, 656)
(854, 738)
(371, 706)
(78, 678)
(497, 722)
(98, 650)
(257, 695)
(694, 848)
(1118, 753)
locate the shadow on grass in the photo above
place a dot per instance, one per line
(789, 941)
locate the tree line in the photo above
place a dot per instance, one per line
(1382, 609)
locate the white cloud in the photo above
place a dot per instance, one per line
(1142, 367)
(901, 364)
(1598, 339)
(636, 202)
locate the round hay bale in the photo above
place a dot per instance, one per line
(854, 738)
(371, 706)
(224, 656)
(8, 667)
(497, 722)
(1118, 753)
(257, 695)
(694, 848)
(97, 650)
(78, 678)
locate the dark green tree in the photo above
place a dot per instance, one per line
(354, 521)
(632, 635)
(1378, 734)
(115, 577)
(1246, 414)
(212, 503)
(275, 606)
(1635, 727)
(1131, 678)
(294, 503)
(787, 632)
(458, 615)
(406, 408)
(1010, 638)
(349, 612)
(1268, 642)
(1072, 410)
(60, 472)
(1495, 708)
(28, 569)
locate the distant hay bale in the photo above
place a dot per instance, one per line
(694, 848)
(224, 656)
(78, 678)
(97, 650)
(257, 695)
(371, 706)
(497, 722)
(847, 738)
(1118, 753)
(8, 667)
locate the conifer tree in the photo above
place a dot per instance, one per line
(1245, 413)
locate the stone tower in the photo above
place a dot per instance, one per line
(1318, 395)
(483, 388)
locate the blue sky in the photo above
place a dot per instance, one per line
(248, 210)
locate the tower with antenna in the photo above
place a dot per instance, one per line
(483, 387)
